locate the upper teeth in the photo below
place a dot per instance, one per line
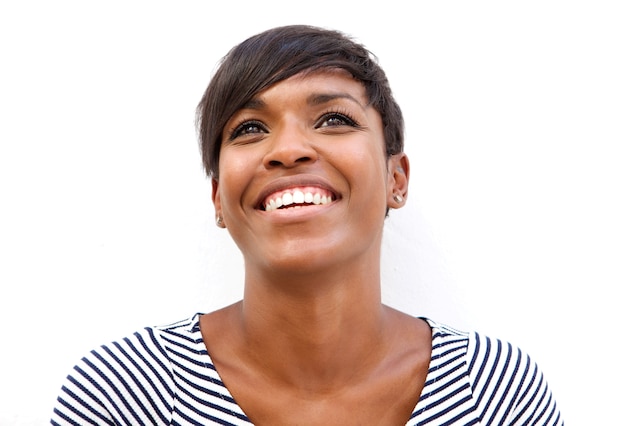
(296, 197)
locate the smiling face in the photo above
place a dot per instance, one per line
(304, 179)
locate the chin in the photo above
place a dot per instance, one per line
(301, 257)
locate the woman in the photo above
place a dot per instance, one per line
(303, 142)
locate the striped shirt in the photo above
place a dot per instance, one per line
(164, 375)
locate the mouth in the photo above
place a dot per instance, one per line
(297, 197)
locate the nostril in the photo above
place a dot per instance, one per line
(277, 163)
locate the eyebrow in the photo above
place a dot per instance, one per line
(322, 98)
(313, 100)
(254, 103)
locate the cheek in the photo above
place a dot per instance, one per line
(235, 164)
(370, 164)
(237, 171)
(230, 159)
(232, 172)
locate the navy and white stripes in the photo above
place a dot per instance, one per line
(164, 375)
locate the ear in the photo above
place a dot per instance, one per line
(217, 203)
(398, 180)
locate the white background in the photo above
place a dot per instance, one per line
(514, 226)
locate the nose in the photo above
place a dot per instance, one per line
(290, 146)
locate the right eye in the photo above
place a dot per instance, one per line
(249, 127)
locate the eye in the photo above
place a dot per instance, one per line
(249, 127)
(334, 119)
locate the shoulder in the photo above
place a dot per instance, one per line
(506, 380)
(448, 343)
(181, 333)
(505, 383)
(128, 381)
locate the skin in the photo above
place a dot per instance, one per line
(311, 343)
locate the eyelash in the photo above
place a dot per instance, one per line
(345, 117)
(239, 129)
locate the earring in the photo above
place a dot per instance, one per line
(398, 198)
(219, 222)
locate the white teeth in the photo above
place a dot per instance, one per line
(287, 199)
(298, 197)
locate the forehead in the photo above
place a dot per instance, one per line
(317, 86)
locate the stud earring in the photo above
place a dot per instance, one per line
(398, 198)
(219, 222)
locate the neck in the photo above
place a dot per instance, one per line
(324, 326)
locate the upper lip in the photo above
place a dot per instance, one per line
(288, 182)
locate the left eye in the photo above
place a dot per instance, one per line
(247, 128)
(335, 119)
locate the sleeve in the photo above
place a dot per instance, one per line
(508, 387)
(126, 382)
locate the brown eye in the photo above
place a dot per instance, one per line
(335, 119)
(247, 128)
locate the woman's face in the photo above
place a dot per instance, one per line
(304, 179)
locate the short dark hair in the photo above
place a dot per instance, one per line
(277, 54)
